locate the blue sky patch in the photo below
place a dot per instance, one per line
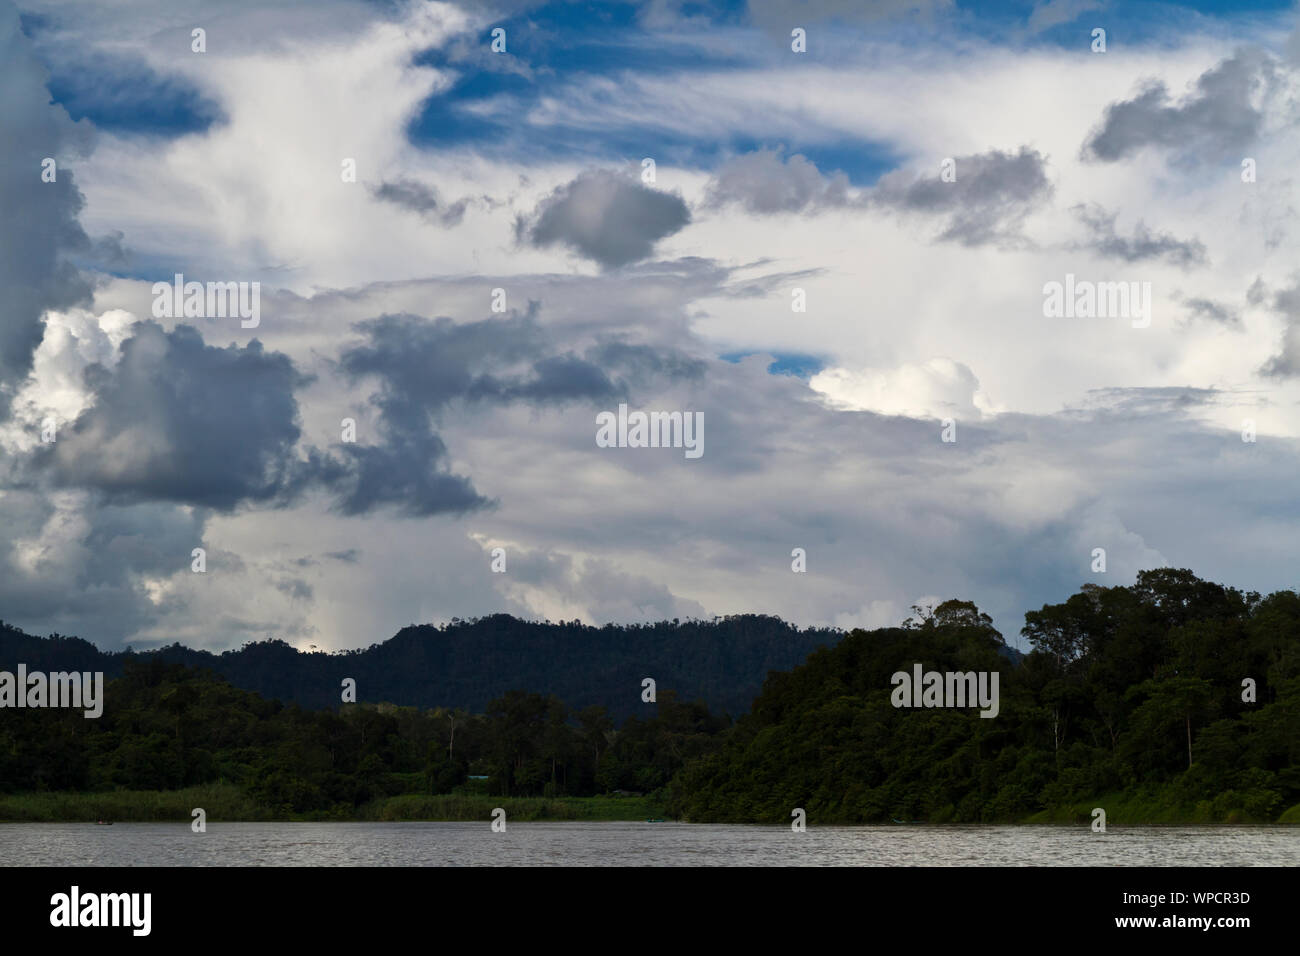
(783, 363)
(128, 96)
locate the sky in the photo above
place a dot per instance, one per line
(827, 231)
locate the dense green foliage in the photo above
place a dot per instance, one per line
(466, 664)
(220, 801)
(1132, 700)
(166, 726)
(226, 802)
(1128, 690)
(479, 807)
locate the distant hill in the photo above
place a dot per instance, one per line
(467, 664)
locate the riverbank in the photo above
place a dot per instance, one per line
(226, 803)
(1145, 809)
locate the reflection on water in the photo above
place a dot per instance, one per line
(646, 844)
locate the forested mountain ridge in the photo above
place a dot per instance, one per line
(466, 664)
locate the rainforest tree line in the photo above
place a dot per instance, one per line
(1174, 686)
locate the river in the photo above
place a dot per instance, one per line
(641, 844)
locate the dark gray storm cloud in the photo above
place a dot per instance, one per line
(604, 216)
(763, 183)
(295, 589)
(40, 227)
(1286, 304)
(992, 193)
(179, 420)
(86, 581)
(1218, 118)
(408, 471)
(1210, 311)
(425, 367)
(1143, 245)
(1258, 293)
(642, 364)
(423, 200)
